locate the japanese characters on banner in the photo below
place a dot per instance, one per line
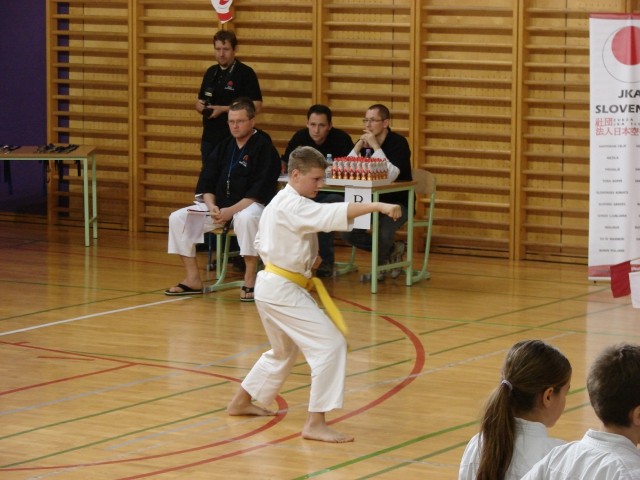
(614, 191)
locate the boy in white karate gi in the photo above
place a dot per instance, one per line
(287, 239)
(612, 452)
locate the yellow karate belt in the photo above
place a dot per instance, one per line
(309, 284)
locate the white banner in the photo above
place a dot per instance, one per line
(614, 191)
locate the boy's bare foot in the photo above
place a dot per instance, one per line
(323, 433)
(241, 404)
(316, 428)
(250, 409)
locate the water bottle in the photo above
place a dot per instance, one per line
(327, 171)
(368, 152)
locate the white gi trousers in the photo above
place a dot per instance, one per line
(245, 224)
(304, 328)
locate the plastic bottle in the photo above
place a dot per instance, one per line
(327, 171)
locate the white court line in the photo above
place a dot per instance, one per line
(44, 325)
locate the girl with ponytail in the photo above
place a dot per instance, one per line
(529, 399)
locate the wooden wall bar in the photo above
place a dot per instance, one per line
(494, 99)
(89, 101)
(467, 120)
(553, 141)
(366, 58)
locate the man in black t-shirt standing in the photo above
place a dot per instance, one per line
(223, 83)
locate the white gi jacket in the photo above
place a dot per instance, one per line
(598, 456)
(287, 237)
(531, 444)
(293, 321)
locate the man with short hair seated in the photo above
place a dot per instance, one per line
(324, 137)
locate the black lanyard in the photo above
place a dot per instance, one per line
(222, 75)
(232, 164)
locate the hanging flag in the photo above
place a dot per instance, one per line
(620, 285)
(223, 9)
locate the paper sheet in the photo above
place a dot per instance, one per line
(193, 231)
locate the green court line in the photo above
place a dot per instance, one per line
(478, 342)
(356, 374)
(73, 305)
(531, 307)
(387, 450)
(414, 441)
(163, 361)
(418, 439)
(162, 425)
(106, 440)
(383, 367)
(215, 411)
(104, 412)
(451, 447)
(418, 459)
(517, 327)
(131, 358)
(577, 407)
(525, 328)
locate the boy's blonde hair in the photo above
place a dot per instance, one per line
(304, 159)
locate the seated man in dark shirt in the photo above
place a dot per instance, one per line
(322, 136)
(385, 144)
(237, 180)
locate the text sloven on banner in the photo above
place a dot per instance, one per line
(614, 188)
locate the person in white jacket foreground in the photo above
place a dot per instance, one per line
(529, 399)
(610, 453)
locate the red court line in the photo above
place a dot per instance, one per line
(64, 379)
(282, 407)
(418, 364)
(416, 369)
(65, 358)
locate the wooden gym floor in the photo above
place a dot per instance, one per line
(104, 377)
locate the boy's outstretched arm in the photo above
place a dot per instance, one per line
(356, 209)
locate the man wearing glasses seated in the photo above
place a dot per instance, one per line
(237, 180)
(381, 142)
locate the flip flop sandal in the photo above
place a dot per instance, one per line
(245, 292)
(185, 290)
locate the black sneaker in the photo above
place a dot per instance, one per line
(325, 270)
